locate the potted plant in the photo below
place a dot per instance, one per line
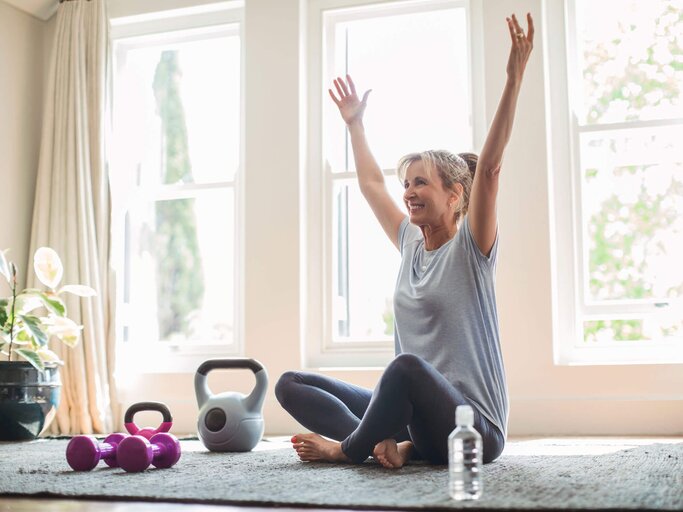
(29, 370)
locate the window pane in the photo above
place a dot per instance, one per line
(177, 111)
(633, 211)
(417, 66)
(652, 328)
(365, 267)
(630, 53)
(180, 261)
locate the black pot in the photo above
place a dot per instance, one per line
(28, 399)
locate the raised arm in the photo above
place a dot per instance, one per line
(482, 207)
(370, 177)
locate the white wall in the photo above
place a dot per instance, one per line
(545, 399)
(21, 89)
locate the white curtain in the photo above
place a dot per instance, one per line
(71, 213)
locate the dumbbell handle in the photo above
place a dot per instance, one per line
(148, 432)
(136, 453)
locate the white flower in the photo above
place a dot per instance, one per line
(48, 267)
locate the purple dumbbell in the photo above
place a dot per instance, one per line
(136, 453)
(84, 452)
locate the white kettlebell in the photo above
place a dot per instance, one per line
(230, 421)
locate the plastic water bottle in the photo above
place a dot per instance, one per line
(464, 457)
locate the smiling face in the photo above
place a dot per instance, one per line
(427, 200)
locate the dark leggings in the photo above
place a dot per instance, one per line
(412, 401)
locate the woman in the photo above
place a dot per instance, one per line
(447, 341)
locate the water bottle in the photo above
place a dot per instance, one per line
(464, 457)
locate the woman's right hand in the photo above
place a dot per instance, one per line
(350, 107)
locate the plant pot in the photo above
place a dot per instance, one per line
(28, 399)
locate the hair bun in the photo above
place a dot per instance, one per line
(471, 161)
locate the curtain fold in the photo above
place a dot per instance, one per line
(71, 212)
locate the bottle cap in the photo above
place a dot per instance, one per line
(464, 416)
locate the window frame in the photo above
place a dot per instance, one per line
(179, 25)
(320, 349)
(570, 305)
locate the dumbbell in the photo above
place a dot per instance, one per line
(84, 452)
(135, 453)
(147, 432)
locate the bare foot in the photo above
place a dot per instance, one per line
(391, 454)
(314, 447)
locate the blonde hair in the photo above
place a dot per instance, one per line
(451, 168)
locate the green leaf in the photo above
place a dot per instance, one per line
(54, 304)
(3, 312)
(48, 356)
(27, 302)
(30, 299)
(4, 267)
(32, 357)
(33, 326)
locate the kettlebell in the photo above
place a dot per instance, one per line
(147, 432)
(230, 421)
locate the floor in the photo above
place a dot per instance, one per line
(516, 446)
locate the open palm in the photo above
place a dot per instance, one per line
(522, 44)
(350, 107)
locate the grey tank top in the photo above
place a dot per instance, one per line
(445, 313)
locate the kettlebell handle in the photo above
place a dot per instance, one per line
(132, 428)
(220, 364)
(252, 402)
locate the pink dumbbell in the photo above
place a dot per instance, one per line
(135, 453)
(83, 453)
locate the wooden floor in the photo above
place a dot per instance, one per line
(40, 505)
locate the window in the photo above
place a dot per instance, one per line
(418, 51)
(175, 175)
(621, 196)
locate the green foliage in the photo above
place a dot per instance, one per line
(24, 333)
(642, 83)
(33, 328)
(180, 283)
(615, 272)
(32, 357)
(645, 82)
(3, 311)
(620, 330)
(388, 317)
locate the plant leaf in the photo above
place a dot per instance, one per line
(3, 312)
(63, 328)
(27, 302)
(48, 267)
(22, 342)
(78, 289)
(33, 326)
(48, 356)
(30, 299)
(54, 304)
(4, 267)
(32, 357)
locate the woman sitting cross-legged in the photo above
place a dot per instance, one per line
(446, 327)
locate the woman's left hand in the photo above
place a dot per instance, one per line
(522, 45)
